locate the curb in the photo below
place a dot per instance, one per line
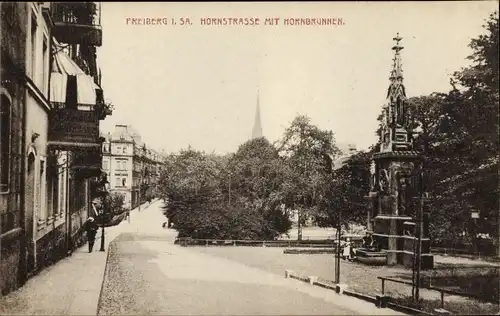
(310, 251)
(104, 275)
(380, 301)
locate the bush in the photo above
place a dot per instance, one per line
(114, 203)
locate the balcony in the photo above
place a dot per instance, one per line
(87, 162)
(73, 128)
(77, 22)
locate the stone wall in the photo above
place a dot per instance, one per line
(9, 263)
(51, 247)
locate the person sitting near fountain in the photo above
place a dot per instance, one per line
(368, 241)
(352, 252)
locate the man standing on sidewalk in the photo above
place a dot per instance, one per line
(91, 228)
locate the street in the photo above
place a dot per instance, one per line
(147, 274)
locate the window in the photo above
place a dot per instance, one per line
(53, 185)
(124, 150)
(118, 181)
(124, 182)
(105, 164)
(121, 165)
(5, 142)
(62, 192)
(41, 189)
(45, 65)
(33, 47)
(118, 148)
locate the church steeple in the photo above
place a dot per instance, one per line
(257, 125)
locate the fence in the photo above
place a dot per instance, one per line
(466, 253)
(311, 243)
(441, 290)
(481, 248)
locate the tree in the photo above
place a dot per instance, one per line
(185, 179)
(472, 140)
(308, 151)
(197, 186)
(458, 133)
(345, 189)
(256, 174)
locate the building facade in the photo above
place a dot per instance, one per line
(12, 93)
(132, 168)
(50, 147)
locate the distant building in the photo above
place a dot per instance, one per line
(347, 152)
(132, 169)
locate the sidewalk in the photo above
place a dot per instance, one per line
(70, 286)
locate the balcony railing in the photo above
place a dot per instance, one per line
(77, 22)
(84, 13)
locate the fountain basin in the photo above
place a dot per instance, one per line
(371, 257)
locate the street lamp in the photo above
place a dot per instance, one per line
(339, 250)
(102, 229)
(229, 188)
(103, 194)
(474, 214)
(338, 164)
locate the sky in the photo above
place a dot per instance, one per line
(197, 85)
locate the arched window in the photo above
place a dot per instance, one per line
(5, 142)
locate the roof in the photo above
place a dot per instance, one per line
(126, 133)
(342, 160)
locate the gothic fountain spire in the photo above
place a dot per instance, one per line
(396, 87)
(395, 135)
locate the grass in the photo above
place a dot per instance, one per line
(482, 282)
(456, 307)
(361, 278)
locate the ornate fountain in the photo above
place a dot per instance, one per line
(396, 214)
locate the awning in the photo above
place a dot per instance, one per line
(63, 67)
